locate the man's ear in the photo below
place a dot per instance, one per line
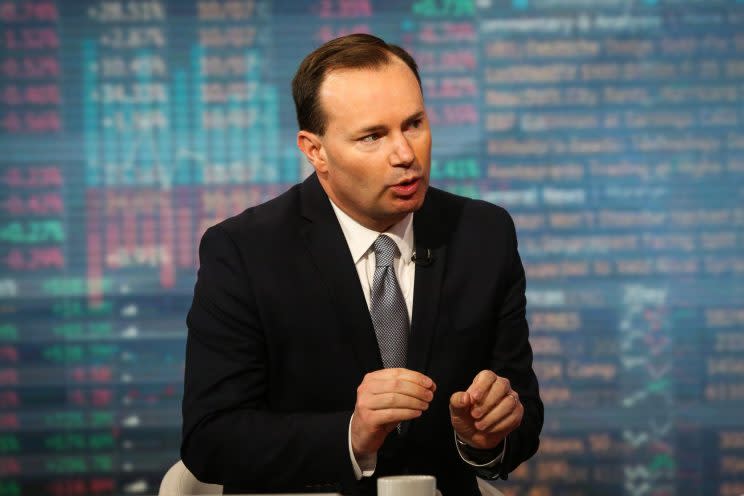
(310, 145)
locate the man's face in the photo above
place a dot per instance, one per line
(373, 160)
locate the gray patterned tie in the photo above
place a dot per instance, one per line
(387, 306)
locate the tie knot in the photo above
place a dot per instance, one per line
(385, 251)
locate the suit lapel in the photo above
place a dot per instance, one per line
(430, 228)
(330, 253)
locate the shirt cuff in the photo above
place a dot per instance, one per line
(467, 454)
(365, 466)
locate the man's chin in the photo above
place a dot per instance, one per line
(409, 204)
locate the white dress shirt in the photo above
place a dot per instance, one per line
(360, 240)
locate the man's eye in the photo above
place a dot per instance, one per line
(417, 123)
(370, 138)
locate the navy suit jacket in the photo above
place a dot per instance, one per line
(280, 337)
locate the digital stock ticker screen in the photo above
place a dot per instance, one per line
(612, 131)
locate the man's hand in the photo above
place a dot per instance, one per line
(384, 399)
(487, 412)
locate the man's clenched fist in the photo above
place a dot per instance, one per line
(384, 399)
(487, 412)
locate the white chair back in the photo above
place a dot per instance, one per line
(179, 481)
(487, 489)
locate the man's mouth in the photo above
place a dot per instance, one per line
(407, 187)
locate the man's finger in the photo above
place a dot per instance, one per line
(509, 423)
(394, 401)
(402, 375)
(493, 396)
(393, 415)
(481, 384)
(412, 389)
(499, 413)
(460, 403)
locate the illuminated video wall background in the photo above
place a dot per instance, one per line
(612, 130)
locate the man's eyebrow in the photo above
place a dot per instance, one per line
(379, 127)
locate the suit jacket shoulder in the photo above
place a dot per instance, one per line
(458, 217)
(265, 218)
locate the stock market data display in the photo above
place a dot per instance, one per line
(612, 130)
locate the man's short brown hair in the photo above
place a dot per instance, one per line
(354, 51)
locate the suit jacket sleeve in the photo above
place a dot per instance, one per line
(231, 435)
(512, 358)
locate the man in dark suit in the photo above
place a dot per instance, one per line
(361, 324)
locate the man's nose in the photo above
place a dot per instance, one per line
(402, 154)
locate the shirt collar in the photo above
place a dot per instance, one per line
(360, 238)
